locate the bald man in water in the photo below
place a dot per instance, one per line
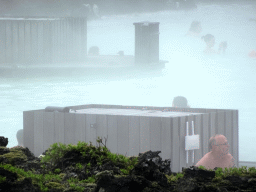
(19, 136)
(219, 155)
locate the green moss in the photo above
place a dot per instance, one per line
(154, 184)
(79, 166)
(77, 187)
(58, 150)
(222, 173)
(89, 180)
(62, 175)
(54, 155)
(147, 189)
(173, 178)
(57, 170)
(14, 155)
(120, 176)
(54, 185)
(2, 179)
(124, 171)
(37, 179)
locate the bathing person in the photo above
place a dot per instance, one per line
(252, 54)
(210, 42)
(94, 50)
(219, 155)
(195, 29)
(121, 53)
(180, 101)
(19, 136)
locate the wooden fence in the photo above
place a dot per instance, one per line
(129, 133)
(42, 40)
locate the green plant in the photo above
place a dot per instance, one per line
(76, 187)
(2, 179)
(174, 178)
(89, 165)
(112, 156)
(54, 153)
(62, 175)
(54, 185)
(38, 179)
(99, 140)
(124, 171)
(222, 173)
(52, 177)
(57, 170)
(122, 158)
(89, 180)
(43, 166)
(79, 166)
(73, 180)
(99, 163)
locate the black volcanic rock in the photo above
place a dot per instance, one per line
(152, 167)
(3, 141)
(90, 169)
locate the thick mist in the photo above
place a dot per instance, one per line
(219, 81)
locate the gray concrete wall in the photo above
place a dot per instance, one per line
(133, 134)
(42, 40)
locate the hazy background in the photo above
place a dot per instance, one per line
(222, 81)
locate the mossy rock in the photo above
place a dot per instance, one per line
(62, 175)
(2, 179)
(147, 189)
(209, 187)
(15, 156)
(154, 184)
(4, 150)
(55, 185)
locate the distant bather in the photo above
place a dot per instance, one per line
(195, 29)
(94, 50)
(180, 101)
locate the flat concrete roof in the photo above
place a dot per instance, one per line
(134, 112)
(20, 19)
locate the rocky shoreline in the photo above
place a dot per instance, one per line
(86, 168)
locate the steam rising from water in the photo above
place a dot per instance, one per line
(222, 81)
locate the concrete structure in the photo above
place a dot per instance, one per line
(42, 40)
(58, 46)
(146, 42)
(133, 129)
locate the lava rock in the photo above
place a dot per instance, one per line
(152, 167)
(149, 174)
(108, 183)
(4, 150)
(3, 141)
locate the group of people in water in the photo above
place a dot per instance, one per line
(195, 31)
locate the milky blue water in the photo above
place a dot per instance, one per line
(222, 81)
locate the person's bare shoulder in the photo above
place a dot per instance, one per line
(204, 160)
